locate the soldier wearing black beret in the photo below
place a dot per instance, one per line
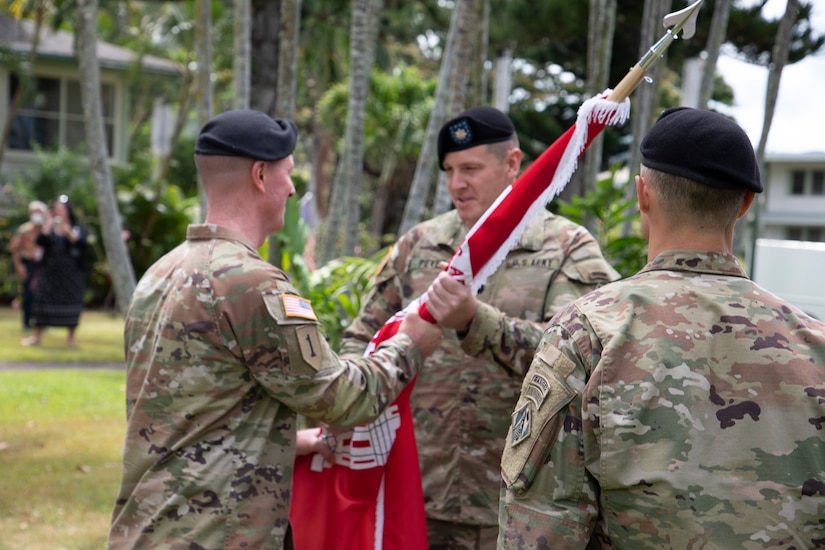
(476, 126)
(704, 147)
(247, 133)
(223, 354)
(462, 404)
(674, 388)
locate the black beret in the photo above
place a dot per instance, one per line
(704, 147)
(246, 133)
(476, 126)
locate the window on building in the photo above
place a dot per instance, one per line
(802, 233)
(51, 115)
(818, 182)
(797, 182)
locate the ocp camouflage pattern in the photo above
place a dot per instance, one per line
(686, 410)
(462, 400)
(221, 353)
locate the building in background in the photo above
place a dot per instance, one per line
(52, 115)
(793, 204)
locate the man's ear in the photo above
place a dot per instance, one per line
(513, 162)
(643, 194)
(258, 174)
(746, 203)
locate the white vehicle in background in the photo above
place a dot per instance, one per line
(793, 270)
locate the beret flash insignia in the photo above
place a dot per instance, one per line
(461, 132)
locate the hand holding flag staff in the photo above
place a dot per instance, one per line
(371, 496)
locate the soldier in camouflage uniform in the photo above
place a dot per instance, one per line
(221, 354)
(683, 407)
(461, 403)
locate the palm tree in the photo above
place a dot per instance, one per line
(241, 55)
(425, 169)
(345, 211)
(779, 58)
(601, 26)
(718, 29)
(459, 78)
(120, 265)
(645, 96)
(203, 54)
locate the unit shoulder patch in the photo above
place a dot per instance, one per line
(520, 428)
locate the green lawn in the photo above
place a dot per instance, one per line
(61, 433)
(99, 340)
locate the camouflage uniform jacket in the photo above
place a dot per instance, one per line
(221, 354)
(462, 402)
(683, 407)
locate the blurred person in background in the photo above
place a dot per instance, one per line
(26, 255)
(60, 279)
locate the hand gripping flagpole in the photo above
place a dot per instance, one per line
(342, 506)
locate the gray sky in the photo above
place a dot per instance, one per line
(799, 122)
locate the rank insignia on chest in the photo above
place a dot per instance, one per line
(295, 306)
(520, 429)
(537, 390)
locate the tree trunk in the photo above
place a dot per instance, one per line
(718, 30)
(645, 96)
(426, 166)
(461, 64)
(241, 55)
(345, 206)
(601, 26)
(180, 122)
(159, 176)
(117, 254)
(288, 35)
(265, 40)
(779, 58)
(288, 44)
(203, 56)
(503, 83)
(484, 52)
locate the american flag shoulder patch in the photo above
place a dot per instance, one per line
(295, 306)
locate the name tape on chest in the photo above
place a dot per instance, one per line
(295, 306)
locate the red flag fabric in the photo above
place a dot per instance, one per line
(371, 498)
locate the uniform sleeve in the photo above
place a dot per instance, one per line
(548, 499)
(510, 341)
(507, 341)
(300, 369)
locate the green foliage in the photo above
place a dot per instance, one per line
(154, 215)
(754, 36)
(609, 212)
(335, 289)
(395, 121)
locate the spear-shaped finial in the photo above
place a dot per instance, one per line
(683, 20)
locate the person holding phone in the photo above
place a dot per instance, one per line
(60, 280)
